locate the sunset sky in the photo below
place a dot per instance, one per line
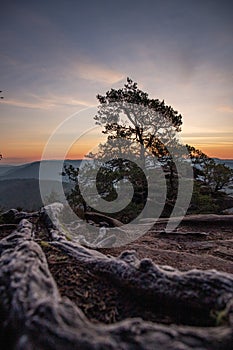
(56, 56)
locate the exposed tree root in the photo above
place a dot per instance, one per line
(35, 316)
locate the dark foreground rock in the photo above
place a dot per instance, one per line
(34, 315)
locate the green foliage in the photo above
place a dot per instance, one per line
(202, 201)
(74, 197)
(217, 176)
(221, 317)
(129, 115)
(107, 184)
(214, 175)
(44, 244)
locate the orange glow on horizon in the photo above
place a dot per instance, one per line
(29, 153)
(217, 151)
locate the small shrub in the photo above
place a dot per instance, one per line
(202, 202)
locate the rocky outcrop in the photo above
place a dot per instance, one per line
(35, 316)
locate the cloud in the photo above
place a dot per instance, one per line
(96, 72)
(225, 109)
(40, 102)
(22, 104)
(210, 133)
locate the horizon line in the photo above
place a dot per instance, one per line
(18, 163)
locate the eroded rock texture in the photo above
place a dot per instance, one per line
(35, 316)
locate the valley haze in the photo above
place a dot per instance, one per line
(19, 184)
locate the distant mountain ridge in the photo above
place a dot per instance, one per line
(227, 162)
(31, 170)
(19, 184)
(4, 168)
(25, 193)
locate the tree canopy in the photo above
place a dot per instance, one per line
(212, 174)
(129, 113)
(143, 131)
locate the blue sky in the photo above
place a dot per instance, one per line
(57, 55)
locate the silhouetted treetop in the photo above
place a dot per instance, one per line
(131, 94)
